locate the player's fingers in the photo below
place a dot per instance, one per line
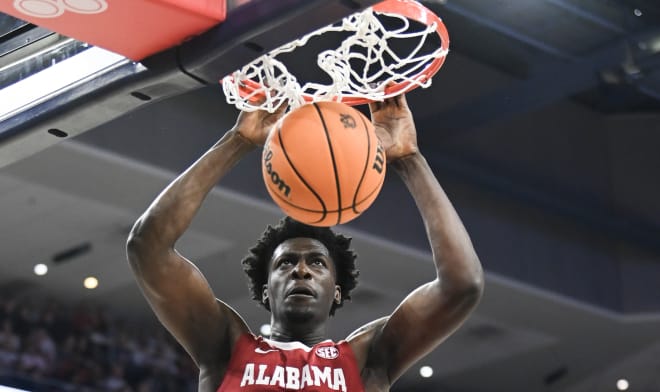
(281, 109)
(400, 101)
(375, 106)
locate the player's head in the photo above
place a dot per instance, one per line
(257, 263)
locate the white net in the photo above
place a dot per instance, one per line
(358, 70)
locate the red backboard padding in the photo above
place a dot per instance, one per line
(135, 29)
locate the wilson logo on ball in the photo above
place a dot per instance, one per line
(274, 177)
(347, 120)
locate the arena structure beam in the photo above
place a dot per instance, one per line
(121, 86)
(570, 74)
(505, 30)
(597, 217)
(522, 96)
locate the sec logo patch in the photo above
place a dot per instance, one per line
(327, 352)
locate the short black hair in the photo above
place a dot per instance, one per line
(256, 262)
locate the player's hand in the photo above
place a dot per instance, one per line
(394, 127)
(255, 126)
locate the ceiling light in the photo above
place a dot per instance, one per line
(653, 45)
(426, 371)
(622, 384)
(91, 282)
(265, 330)
(40, 269)
(637, 12)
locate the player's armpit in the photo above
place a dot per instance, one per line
(420, 323)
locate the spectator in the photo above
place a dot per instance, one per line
(10, 344)
(45, 344)
(114, 381)
(32, 362)
(86, 349)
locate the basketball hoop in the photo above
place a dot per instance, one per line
(383, 52)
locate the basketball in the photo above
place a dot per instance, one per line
(323, 164)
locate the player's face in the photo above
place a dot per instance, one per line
(301, 284)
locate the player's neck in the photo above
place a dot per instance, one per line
(298, 332)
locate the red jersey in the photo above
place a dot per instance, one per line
(263, 365)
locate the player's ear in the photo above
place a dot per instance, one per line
(337, 294)
(264, 294)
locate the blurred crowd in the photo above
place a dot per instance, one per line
(47, 347)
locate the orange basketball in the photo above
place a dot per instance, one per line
(322, 164)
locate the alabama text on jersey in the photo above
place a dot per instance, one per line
(263, 365)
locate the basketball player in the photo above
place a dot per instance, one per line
(307, 273)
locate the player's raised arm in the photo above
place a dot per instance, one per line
(433, 311)
(176, 290)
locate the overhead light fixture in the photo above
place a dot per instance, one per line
(622, 384)
(426, 371)
(91, 283)
(653, 45)
(637, 12)
(40, 269)
(265, 330)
